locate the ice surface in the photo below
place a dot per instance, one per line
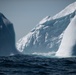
(7, 37)
(68, 10)
(68, 44)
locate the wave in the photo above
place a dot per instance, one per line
(48, 54)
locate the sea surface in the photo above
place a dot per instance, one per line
(37, 65)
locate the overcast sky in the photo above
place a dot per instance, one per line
(25, 14)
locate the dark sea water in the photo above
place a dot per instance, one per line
(37, 65)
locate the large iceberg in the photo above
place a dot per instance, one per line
(48, 33)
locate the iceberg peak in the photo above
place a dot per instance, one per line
(44, 20)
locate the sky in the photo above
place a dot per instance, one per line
(26, 14)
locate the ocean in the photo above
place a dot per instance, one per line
(37, 65)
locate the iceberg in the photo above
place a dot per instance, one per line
(7, 37)
(47, 35)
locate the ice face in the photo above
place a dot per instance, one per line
(68, 44)
(7, 37)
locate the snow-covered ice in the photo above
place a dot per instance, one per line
(47, 35)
